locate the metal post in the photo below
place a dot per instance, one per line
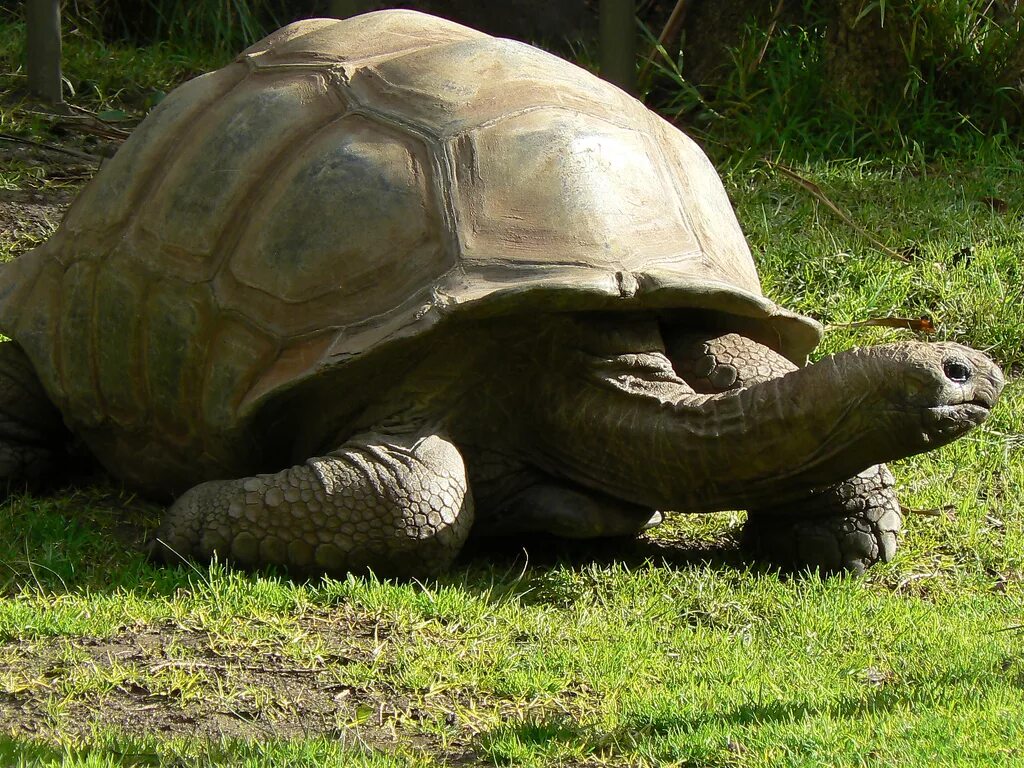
(43, 21)
(618, 43)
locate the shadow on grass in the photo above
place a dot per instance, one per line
(520, 739)
(561, 739)
(95, 538)
(666, 723)
(543, 550)
(90, 537)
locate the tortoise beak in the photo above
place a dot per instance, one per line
(945, 423)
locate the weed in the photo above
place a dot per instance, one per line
(223, 26)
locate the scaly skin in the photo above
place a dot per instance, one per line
(397, 504)
(846, 527)
(594, 403)
(624, 424)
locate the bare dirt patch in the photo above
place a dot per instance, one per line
(71, 689)
(27, 218)
(173, 681)
(31, 212)
(41, 177)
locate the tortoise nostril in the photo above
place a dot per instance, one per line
(957, 371)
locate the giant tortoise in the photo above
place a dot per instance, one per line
(385, 282)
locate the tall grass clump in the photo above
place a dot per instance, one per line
(912, 77)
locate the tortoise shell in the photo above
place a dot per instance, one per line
(341, 186)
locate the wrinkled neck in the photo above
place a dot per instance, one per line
(664, 446)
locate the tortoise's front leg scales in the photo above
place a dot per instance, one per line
(399, 505)
(846, 527)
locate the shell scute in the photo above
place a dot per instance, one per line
(116, 340)
(77, 374)
(597, 196)
(115, 195)
(179, 319)
(708, 210)
(368, 36)
(31, 310)
(348, 229)
(229, 156)
(240, 352)
(471, 82)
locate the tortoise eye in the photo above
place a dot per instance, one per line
(957, 371)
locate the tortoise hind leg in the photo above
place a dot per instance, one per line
(397, 504)
(33, 438)
(515, 498)
(846, 527)
(560, 509)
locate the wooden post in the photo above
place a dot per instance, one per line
(618, 43)
(43, 21)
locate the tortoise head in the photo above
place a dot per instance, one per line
(933, 393)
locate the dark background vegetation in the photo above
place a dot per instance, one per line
(797, 76)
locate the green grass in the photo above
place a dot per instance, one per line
(219, 25)
(670, 651)
(958, 218)
(957, 84)
(100, 74)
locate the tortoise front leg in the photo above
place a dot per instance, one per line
(397, 504)
(847, 527)
(33, 438)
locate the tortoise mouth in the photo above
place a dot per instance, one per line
(947, 422)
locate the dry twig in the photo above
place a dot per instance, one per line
(673, 28)
(51, 148)
(918, 324)
(817, 192)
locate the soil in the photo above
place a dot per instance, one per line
(30, 213)
(176, 680)
(26, 217)
(250, 696)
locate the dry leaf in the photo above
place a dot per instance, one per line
(918, 325)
